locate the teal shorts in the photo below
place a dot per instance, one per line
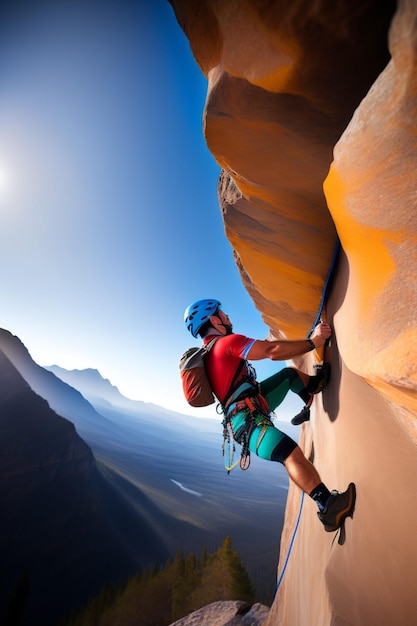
(267, 441)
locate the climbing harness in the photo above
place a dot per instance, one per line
(228, 447)
(256, 411)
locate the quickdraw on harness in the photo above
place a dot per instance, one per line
(248, 400)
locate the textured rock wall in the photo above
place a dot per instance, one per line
(283, 81)
(295, 89)
(372, 196)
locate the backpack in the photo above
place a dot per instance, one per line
(195, 384)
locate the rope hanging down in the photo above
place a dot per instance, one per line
(291, 544)
(325, 293)
(326, 287)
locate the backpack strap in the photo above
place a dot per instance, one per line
(234, 386)
(211, 343)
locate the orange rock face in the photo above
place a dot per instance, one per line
(372, 196)
(284, 78)
(311, 112)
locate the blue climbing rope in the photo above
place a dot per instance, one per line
(326, 288)
(291, 545)
(325, 293)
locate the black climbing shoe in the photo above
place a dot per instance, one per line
(338, 507)
(317, 383)
(302, 416)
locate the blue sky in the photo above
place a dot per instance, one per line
(109, 218)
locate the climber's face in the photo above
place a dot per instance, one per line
(221, 322)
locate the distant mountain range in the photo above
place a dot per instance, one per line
(97, 486)
(98, 390)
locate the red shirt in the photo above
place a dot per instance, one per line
(224, 359)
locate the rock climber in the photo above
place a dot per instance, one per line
(247, 403)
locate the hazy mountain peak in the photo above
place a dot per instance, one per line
(90, 383)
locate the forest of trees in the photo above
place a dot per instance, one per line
(162, 595)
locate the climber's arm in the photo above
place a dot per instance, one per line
(282, 350)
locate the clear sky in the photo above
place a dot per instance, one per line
(109, 219)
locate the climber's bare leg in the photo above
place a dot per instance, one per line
(301, 471)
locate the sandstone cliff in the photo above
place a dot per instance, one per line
(311, 113)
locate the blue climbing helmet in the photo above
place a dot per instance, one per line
(198, 313)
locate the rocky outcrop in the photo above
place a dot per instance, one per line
(233, 613)
(310, 113)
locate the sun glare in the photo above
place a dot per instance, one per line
(4, 180)
(6, 188)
